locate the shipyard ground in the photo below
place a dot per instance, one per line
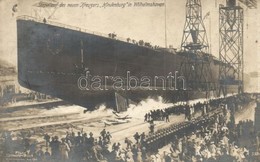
(57, 120)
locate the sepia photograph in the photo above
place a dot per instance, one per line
(129, 81)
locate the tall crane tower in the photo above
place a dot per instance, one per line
(196, 66)
(194, 35)
(231, 18)
(231, 44)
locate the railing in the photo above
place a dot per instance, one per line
(26, 17)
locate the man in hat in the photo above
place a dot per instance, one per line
(55, 147)
(152, 125)
(137, 137)
(47, 155)
(40, 154)
(128, 143)
(108, 136)
(103, 133)
(78, 139)
(142, 138)
(167, 119)
(64, 150)
(91, 139)
(47, 139)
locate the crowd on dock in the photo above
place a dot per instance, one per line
(80, 147)
(235, 102)
(217, 142)
(215, 139)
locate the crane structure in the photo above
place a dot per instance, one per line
(194, 35)
(251, 4)
(195, 46)
(231, 48)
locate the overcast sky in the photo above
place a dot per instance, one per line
(146, 23)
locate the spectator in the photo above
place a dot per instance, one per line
(64, 150)
(47, 139)
(128, 143)
(137, 137)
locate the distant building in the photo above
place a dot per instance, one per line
(8, 84)
(8, 80)
(257, 114)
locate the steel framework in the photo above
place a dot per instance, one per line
(194, 35)
(252, 4)
(196, 66)
(230, 47)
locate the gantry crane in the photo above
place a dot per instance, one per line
(231, 45)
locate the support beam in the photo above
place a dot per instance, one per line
(195, 67)
(231, 70)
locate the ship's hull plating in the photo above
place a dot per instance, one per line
(50, 60)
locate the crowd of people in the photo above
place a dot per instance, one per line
(215, 139)
(183, 108)
(218, 140)
(189, 110)
(79, 147)
(214, 143)
(139, 43)
(158, 114)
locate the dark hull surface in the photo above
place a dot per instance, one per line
(51, 60)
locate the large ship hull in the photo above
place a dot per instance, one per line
(51, 59)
